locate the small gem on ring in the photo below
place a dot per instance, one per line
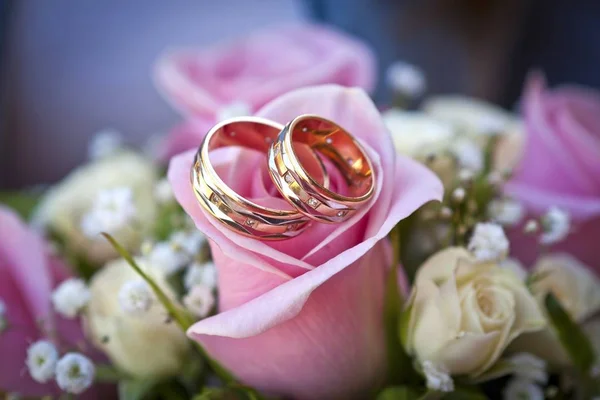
(313, 202)
(250, 222)
(341, 213)
(288, 178)
(305, 129)
(329, 140)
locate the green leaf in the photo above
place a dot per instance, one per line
(183, 319)
(398, 393)
(228, 393)
(571, 336)
(22, 202)
(400, 365)
(465, 394)
(135, 389)
(110, 374)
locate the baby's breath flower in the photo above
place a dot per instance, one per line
(42, 357)
(105, 143)
(465, 175)
(135, 296)
(70, 297)
(112, 210)
(235, 109)
(190, 242)
(529, 367)
(556, 224)
(437, 377)
(522, 389)
(168, 258)
(488, 242)
(163, 192)
(506, 211)
(74, 373)
(196, 274)
(468, 154)
(459, 194)
(531, 226)
(200, 300)
(446, 212)
(406, 79)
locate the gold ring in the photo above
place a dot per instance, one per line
(229, 208)
(297, 185)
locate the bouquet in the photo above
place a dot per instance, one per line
(470, 272)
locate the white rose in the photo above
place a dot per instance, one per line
(576, 288)
(462, 313)
(470, 115)
(417, 135)
(146, 345)
(66, 205)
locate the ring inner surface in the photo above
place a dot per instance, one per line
(335, 144)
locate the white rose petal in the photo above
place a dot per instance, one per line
(112, 210)
(556, 225)
(406, 79)
(135, 296)
(437, 377)
(488, 242)
(42, 357)
(200, 274)
(74, 373)
(235, 109)
(104, 144)
(529, 367)
(522, 389)
(200, 300)
(506, 211)
(70, 297)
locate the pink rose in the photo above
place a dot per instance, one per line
(29, 273)
(255, 69)
(303, 317)
(560, 165)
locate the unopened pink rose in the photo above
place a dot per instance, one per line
(560, 165)
(28, 275)
(244, 74)
(302, 318)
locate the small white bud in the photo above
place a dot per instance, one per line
(445, 212)
(488, 243)
(437, 377)
(135, 296)
(200, 274)
(531, 226)
(74, 373)
(556, 224)
(522, 389)
(189, 242)
(468, 154)
(163, 192)
(459, 194)
(104, 144)
(406, 79)
(42, 357)
(506, 212)
(200, 300)
(168, 258)
(466, 175)
(529, 367)
(70, 297)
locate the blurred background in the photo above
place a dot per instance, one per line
(70, 68)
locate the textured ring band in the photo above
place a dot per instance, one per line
(229, 208)
(297, 185)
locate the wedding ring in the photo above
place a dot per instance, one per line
(297, 185)
(229, 208)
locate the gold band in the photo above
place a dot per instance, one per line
(297, 185)
(229, 208)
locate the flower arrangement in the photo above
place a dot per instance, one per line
(470, 275)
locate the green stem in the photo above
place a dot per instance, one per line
(180, 316)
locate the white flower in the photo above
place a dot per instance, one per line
(167, 258)
(135, 296)
(406, 79)
(200, 274)
(506, 211)
(190, 242)
(458, 194)
(556, 224)
(112, 210)
(468, 154)
(42, 357)
(529, 367)
(163, 192)
(235, 109)
(531, 226)
(437, 377)
(104, 144)
(522, 389)
(488, 242)
(199, 300)
(74, 373)
(416, 134)
(70, 297)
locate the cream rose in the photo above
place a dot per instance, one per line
(63, 210)
(423, 138)
(578, 291)
(143, 344)
(462, 314)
